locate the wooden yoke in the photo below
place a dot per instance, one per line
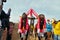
(31, 12)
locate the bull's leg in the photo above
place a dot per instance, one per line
(39, 38)
(26, 36)
(22, 38)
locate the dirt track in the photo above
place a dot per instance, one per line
(15, 35)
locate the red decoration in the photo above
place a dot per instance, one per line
(31, 11)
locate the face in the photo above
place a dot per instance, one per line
(11, 24)
(48, 21)
(55, 22)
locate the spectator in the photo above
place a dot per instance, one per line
(57, 31)
(5, 20)
(54, 22)
(9, 36)
(2, 27)
(48, 29)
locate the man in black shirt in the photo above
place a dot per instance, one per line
(4, 21)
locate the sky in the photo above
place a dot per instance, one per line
(50, 8)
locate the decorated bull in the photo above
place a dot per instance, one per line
(23, 27)
(41, 26)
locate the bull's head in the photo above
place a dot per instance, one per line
(24, 16)
(41, 16)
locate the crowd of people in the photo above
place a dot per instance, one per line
(45, 28)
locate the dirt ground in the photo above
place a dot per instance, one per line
(15, 35)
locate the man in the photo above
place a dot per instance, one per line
(54, 22)
(1, 17)
(11, 26)
(48, 29)
(5, 20)
(2, 27)
(57, 31)
(23, 27)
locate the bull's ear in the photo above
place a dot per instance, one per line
(4, 0)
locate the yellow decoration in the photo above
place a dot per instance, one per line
(32, 26)
(23, 27)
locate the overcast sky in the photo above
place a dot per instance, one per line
(51, 8)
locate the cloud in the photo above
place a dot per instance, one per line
(51, 8)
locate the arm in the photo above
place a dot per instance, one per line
(9, 11)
